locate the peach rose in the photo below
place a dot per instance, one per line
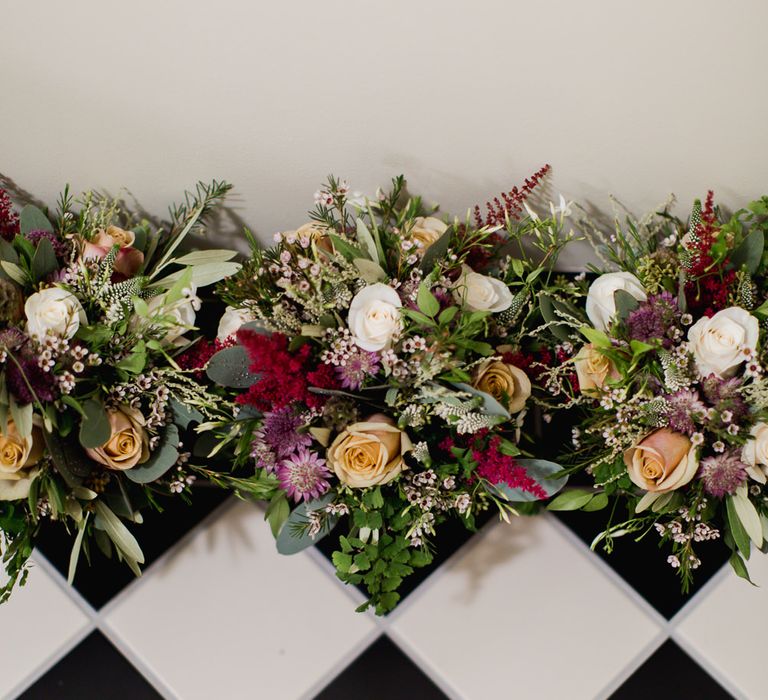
(593, 368)
(508, 384)
(129, 259)
(316, 233)
(128, 445)
(662, 461)
(369, 453)
(18, 456)
(426, 230)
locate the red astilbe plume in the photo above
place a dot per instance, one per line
(511, 203)
(284, 377)
(496, 468)
(702, 235)
(9, 219)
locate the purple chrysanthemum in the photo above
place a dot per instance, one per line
(303, 475)
(359, 365)
(654, 319)
(684, 405)
(60, 248)
(722, 474)
(280, 431)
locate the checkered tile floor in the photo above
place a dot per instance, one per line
(522, 610)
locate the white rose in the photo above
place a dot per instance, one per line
(755, 453)
(231, 320)
(181, 313)
(53, 311)
(601, 306)
(717, 342)
(478, 292)
(374, 316)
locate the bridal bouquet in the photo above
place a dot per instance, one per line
(671, 382)
(94, 305)
(384, 370)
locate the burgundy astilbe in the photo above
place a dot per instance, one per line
(509, 203)
(497, 468)
(9, 219)
(24, 376)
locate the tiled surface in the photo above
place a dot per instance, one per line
(523, 611)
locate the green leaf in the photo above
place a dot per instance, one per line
(342, 561)
(370, 271)
(539, 469)
(229, 367)
(277, 512)
(8, 252)
(596, 337)
(95, 429)
(750, 252)
(291, 540)
(44, 261)
(365, 239)
(625, 304)
(70, 460)
(22, 417)
(447, 315)
(749, 517)
(183, 414)
(345, 248)
(738, 565)
(206, 257)
(598, 502)
(426, 301)
(571, 500)
(135, 362)
(201, 275)
(13, 271)
(74, 555)
(33, 219)
(161, 460)
(739, 534)
(119, 534)
(490, 406)
(547, 310)
(436, 251)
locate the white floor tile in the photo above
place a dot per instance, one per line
(522, 614)
(228, 617)
(36, 623)
(726, 627)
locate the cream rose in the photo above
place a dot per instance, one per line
(478, 292)
(755, 452)
(508, 384)
(374, 317)
(369, 453)
(18, 457)
(662, 461)
(181, 314)
(593, 369)
(427, 229)
(315, 233)
(601, 307)
(718, 342)
(128, 445)
(231, 320)
(53, 311)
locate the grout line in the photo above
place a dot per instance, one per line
(701, 595)
(146, 574)
(342, 664)
(689, 648)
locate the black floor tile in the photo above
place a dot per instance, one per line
(91, 671)
(381, 672)
(104, 578)
(670, 674)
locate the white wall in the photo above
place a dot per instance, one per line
(465, 98)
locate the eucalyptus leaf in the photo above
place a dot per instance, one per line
(750, 252)
(426, 301)
(345, 248)
(119, 534)
(625, 304)
(739, 534)
(76, 547)
(490, 405)
(436, 251)
(202, 275)
(33, 218)
(539, 469)
(162, 459)
(95, 428)
(556, 327)
(289, 541)
(370, 271)
(365, 239)
(229, 367)
(70, 461)
(15, 272)
(44, 260)
(183, 415)
(749, 518)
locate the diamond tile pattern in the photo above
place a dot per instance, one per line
(524, 609)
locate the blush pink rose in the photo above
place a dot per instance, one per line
(662, 461)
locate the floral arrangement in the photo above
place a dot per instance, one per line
(384, 366)
(671, 382)
(94, 306)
